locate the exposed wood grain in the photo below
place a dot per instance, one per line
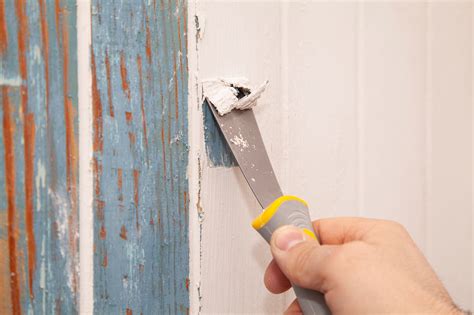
(8, 130)
(29, 143)
(28, 138)
(139, 74)
(142, 105)
(109, 85)
(5, 286)
(3, 28)
(39, 156)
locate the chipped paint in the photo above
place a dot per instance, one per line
(232, 93)
(40, 182)
(42, 128)
(239, 141)
(224, 93)
(140, 157)
(12, 82)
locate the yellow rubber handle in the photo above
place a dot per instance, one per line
(260, 221)
(291, 210)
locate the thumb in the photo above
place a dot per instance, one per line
(300, 257)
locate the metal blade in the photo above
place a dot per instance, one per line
(241, 133)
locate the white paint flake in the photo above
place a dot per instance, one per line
(42, 280)
(14, 81)
(61, 203)
(37, 56)
(40, 182)
(239, 141)
(223, 94)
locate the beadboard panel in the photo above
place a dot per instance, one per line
(368, 113)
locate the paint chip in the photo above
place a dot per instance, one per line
(240, 142)
(232, 93)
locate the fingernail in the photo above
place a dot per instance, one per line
(288, 237)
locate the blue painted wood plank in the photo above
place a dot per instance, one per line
(38, 157)
(139, 87)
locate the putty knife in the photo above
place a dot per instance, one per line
(241, 133)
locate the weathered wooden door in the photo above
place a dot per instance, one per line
(117, 194)
(131, 152)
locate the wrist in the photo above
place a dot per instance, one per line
(444, 305)
(462, 312)
(455, 310)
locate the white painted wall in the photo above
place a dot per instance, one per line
(369, 112)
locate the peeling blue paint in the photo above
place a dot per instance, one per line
(36, 100)
(141, 200)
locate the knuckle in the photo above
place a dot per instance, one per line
(396, 226)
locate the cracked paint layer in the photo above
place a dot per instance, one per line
(141, 200)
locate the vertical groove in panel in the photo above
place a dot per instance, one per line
(360, 107)
(428, 128)
(285, 106)
(393, 113)
(451, 127)
(322, 118)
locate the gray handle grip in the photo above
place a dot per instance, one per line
(294, 212)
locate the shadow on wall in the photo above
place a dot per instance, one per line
(218, 152)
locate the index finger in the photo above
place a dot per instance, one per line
(336, 231)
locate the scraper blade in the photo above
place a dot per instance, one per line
(241, 133)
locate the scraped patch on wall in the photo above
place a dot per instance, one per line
(218, 152)
(226, 95)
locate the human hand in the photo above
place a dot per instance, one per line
(363, 266)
